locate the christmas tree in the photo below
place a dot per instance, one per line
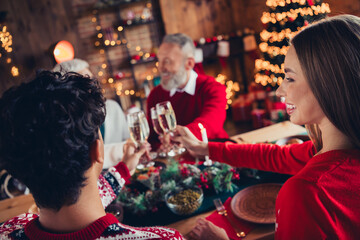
(284, 19)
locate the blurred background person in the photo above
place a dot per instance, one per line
(195, 98)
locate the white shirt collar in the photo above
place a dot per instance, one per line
(189, 87)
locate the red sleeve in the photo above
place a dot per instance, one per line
(213, 113)
(302, 212)
(123, 170)
(287, 159)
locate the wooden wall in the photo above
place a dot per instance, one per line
(202, 18)
(206, 18)
(35, 25)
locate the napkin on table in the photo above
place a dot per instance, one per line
(221, 221)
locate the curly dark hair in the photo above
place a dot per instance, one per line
(46, 129)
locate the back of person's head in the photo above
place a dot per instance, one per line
(74, 65)
(329, 54)
(46, 129)
(185, 42)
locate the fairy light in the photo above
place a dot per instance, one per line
(294, 13)
(277, 36)
(15, 71)
(231, 88)
(6, 42)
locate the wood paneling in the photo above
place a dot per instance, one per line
(200, 18)
(206, 18)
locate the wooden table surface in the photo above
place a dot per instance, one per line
(21, 204)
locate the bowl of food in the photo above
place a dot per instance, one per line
(184, 201)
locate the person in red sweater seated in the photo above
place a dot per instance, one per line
(321, 89)
(50, 141)
(195, 98)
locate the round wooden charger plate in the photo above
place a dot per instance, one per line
(256, 203)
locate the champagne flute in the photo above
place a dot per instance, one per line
(167, 122)
(157, 127)
(139, 132)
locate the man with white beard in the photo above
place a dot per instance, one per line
(195, 98)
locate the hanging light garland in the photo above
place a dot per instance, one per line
(6, 45)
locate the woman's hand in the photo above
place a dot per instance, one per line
(205, 229)
(132, 155)
(195, 147)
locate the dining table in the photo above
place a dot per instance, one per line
(270, 134)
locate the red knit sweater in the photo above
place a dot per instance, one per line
(321, 200)
(206, 106)
(27, 226)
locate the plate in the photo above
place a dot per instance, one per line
(292, 140)
(256, 203)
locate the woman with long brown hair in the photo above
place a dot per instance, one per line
(322, 91)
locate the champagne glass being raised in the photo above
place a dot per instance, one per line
(139, 133)
(157, 127)
(167, 122)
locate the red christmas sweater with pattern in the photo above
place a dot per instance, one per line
(26, 226)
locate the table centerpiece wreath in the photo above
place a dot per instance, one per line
(148, 186)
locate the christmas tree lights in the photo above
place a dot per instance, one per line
(281, 23)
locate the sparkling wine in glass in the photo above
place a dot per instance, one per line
(167, 120)
(157, 128)
(139, 133)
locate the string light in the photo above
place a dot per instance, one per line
(6, 44)
(15, 71)
(231, 88)
(294, 13)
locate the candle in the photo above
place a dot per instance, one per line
(203, 133)
(207, 162)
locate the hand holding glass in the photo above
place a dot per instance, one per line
(167, 120)
(139, 132)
